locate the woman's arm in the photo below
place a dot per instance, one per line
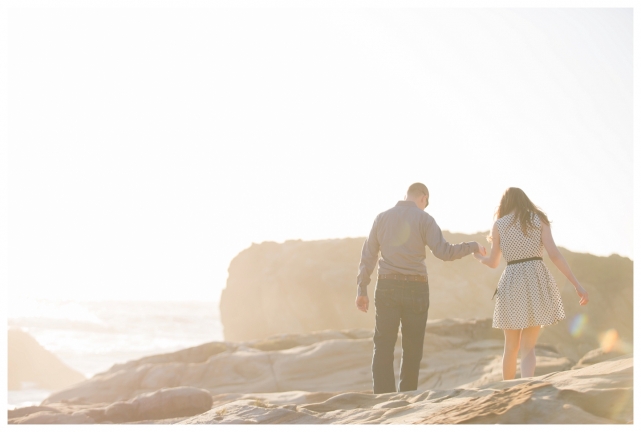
(560, 263)
(494, 258)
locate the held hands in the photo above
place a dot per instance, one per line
(481, 253)
(583, 294)
(362, 303)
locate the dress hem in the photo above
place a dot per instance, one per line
(533, 325)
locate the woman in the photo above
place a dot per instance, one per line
(527, 297)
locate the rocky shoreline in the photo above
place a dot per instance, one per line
(324, 377)
(297, 351)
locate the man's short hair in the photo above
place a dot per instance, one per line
(417, 190)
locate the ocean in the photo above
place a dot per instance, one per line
(90, 337)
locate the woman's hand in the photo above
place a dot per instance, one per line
(481, 253)
(583, 294)
(481, 249)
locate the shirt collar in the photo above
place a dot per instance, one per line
(406, 204)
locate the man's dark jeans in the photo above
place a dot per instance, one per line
(405, 303)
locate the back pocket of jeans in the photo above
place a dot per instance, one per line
(420, 300)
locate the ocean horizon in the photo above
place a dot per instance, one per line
(92, 336)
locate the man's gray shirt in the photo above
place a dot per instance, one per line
(401, 234)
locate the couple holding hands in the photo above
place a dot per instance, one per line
(527, 296)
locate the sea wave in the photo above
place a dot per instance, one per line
(90, 337)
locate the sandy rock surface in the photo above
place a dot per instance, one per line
(456, 353)
(597, 394)
(325, 377)
(161, 404)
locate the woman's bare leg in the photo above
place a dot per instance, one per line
(510, 353)
(528, 358)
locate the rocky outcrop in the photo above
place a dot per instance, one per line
(30, 362)
(458, 353)
(53, 417)
(162, 404)
(597, 394)
(305, 286)
(601, 393)
(325, 377)
(596, 356)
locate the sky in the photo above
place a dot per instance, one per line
(148, 147)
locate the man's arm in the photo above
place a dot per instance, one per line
(441, 248)
(369, 254)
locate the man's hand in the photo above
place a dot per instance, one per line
(482, 250)
(362, 303)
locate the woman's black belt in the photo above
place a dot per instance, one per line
(516, 262)
(524, 260)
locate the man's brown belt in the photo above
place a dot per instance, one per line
(415, 278)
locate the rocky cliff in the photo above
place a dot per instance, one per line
(305, 286)
(30, 362)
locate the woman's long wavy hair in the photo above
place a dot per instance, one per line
(515, 200)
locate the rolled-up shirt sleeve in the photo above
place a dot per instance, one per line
(369, 255)
(440, 247)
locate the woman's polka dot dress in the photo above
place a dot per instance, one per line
(527, 294)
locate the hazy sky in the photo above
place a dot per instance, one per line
(148, 147)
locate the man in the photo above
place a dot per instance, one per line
(402, 291)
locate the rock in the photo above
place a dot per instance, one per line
(125, 381)
(308, 286)
(121, 412)
(326, 378)
(163, 375)
(162, 404)
(97, 414)
(249, 412)
(197, 354)
(457, 353)
(25, 411)
(598, 394)
(48, 417)
(299, 352)
(596, 356)
(119, 385)
(391, 404)
(30, 362)
(293, 287)
(172, 402)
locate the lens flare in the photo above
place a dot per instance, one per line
(578, 324)
(622, 405)
(609, 340)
